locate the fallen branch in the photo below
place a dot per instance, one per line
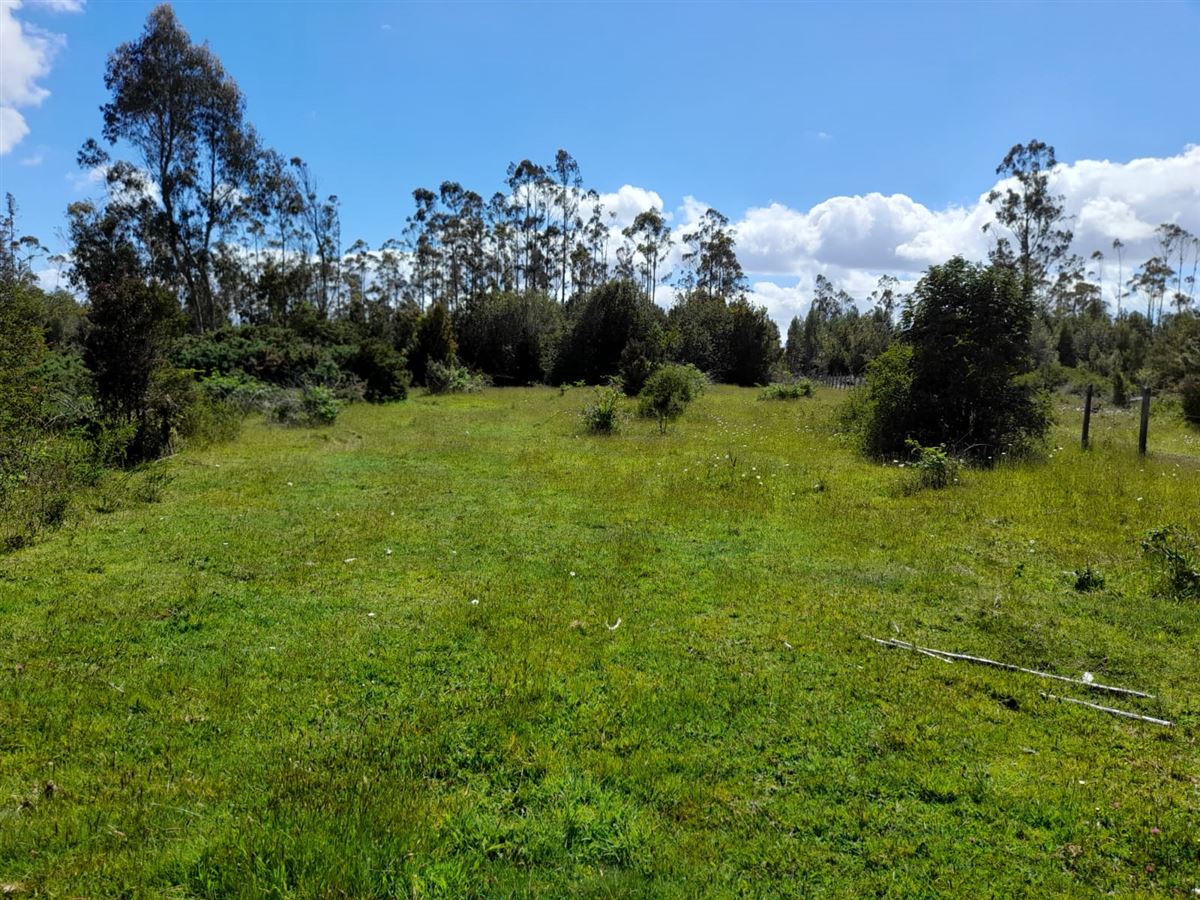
(901, 644)
(1109, 709)
(1090, 685)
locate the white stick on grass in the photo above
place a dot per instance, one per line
(1109, 709)
(1090, 685)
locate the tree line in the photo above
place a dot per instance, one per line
(214, 257)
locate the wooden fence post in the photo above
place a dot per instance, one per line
(1087, 415)
(1145, 420)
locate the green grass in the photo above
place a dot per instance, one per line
(239, 690)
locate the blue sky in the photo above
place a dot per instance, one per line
(739, 105)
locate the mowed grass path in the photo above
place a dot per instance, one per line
(383, 659)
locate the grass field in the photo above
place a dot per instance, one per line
(384, 659)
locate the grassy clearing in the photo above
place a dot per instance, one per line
(378, 659)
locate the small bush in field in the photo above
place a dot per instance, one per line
(668, 392)
(1088, 579)
(603, 415)
(319, 405)
(933, 467)
(788, 390)
(313, 405)
(451, 378)
(1175, 553)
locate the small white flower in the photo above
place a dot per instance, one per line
(1088, 677)
(475, 602)
(388, 551)
(370, 615)
(290, 484)
(572, 574)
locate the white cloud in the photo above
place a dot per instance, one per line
(58, 6)
(12, 128)
(853, 240)
(26, 52)
(626, 202)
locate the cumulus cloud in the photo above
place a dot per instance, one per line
(26, 52)
(853, 240)
(623, 205)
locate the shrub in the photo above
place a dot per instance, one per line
(271, 353)
(603, 415)
(434, 341)
(451, 378)
(1088, 579)
(240, 391)
(1189, 398)
(382, 370)
(932, 467)
(312, 406)
(639, 360)
(668, 392)
(511, 337)
(603, 323)
(1175, 553)
(965, 377)
(1120, 393)
(35, 497)
(319, 405)
(791, 390)
(878, 413)
(753, 344)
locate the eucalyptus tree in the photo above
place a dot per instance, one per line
(320, 218)
(567, 184)
(174, 104)
(1150, 280)
(422, 247)
(652, 240)
(1174, 239)
(710, 260)
(1032, 214)
(1118, 245)
(502, 235)
(526, 181)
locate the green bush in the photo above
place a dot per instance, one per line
(964, 374)
(639, 360)
(790, 390)
(880, 410)
(1189, 398)
(1174, 552)
(604, 415)
(1120, 392)
(668, 392)
(513, 338)
(311, 406)
(1088, 579)
(241, 391)
(36, 493)
(381, 369)
(932, 467)
(319, 405)
(451, 378)
(603, 323)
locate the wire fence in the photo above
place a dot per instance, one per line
(838, 381)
